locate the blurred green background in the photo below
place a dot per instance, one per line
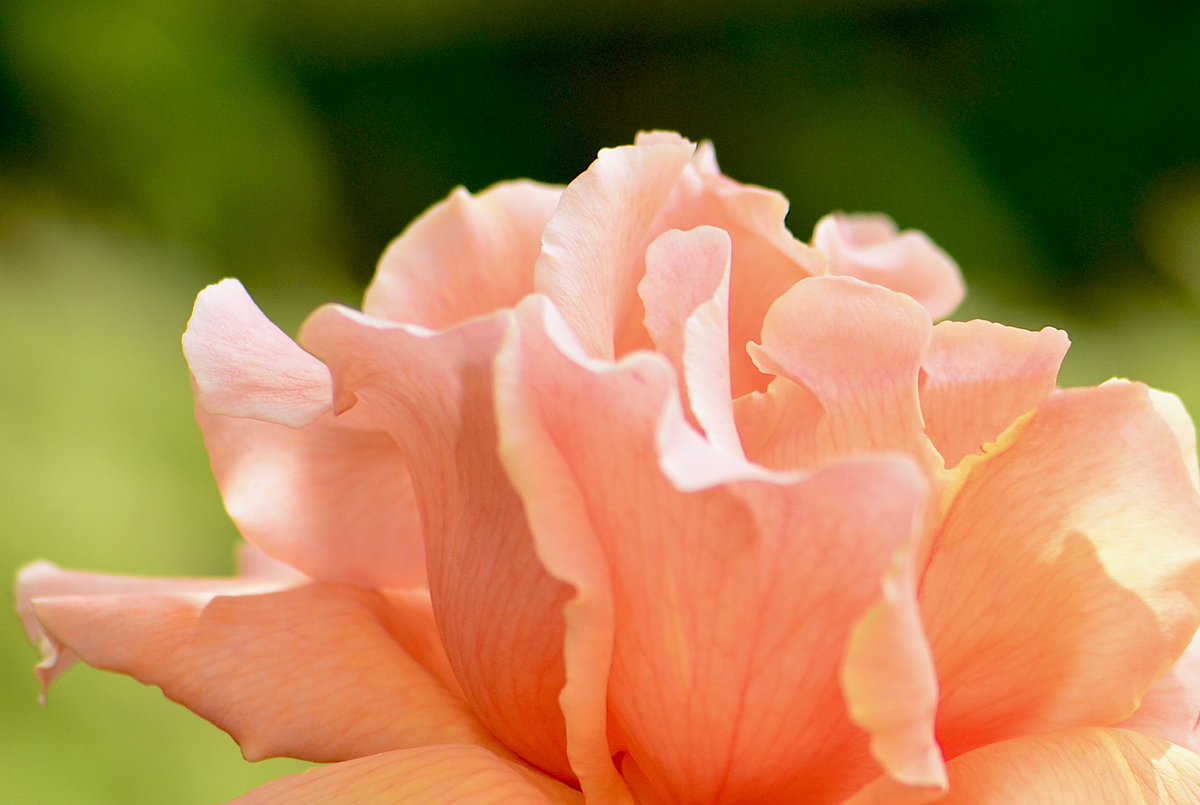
(149, 147)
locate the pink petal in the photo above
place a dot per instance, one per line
(498, 612)
(466, 256)
(869, 247)
(846, 355)
(1171, 709)
(686, 294)
(594, 244)
(245, 366)
(979, 377)
(722, 683)
(428, 774)
(1083, 765)
(332, 499)
(319, 672)
(1065, 578)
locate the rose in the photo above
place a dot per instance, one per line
(542, 522)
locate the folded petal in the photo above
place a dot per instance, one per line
(978, 378)
(245, 366)
(467, 256)
(1082, 766)
(499, 613)
(723, 686)
(1065, 579)
(870, 248)
(429, 775)
(318, 672)
(1171, 709)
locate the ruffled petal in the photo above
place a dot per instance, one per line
(722, 684)
(428, 774)
(319, 672)
(1065, 579)
(498, 611)
(245, 366)
(1082, 766)
(978, 378)
(467, 256)
(870, 248)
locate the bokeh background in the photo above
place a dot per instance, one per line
(149, 147)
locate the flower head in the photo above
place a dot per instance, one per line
(620, 492)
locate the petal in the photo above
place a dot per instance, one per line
(433, 393)
(245, 366)
(594, 245)
(979, 377)
(686, 295)
(428, 774)
(1066, 575)
(1083, 766)
(847, 356)
(869, 247)
(466, 256)
(332, 499)
(318, 672)
(723, 685)
(1171, 709)
(1171, 409)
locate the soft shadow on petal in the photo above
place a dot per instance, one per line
(245, 366)
(1066, 575)
(316, 672)
(466, 256)
(978, 378)
(723, 686)
(430, 775)
(870, 248)
(1081, 766)
(498, 611)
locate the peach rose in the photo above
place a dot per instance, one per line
(620, 493)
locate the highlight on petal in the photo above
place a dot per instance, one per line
(245, 366)
(870, 248)
(1089, 765)
(467, 256)
(431, 775)
(1065, 578)
(977, 378)
(317, 672)
(1171, 409)
(722, 683)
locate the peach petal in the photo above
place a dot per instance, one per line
(1171, 709)
(846, 355)
(1066, 575)
(594, 245)
(686, 295)
(245, 366)
(978, 378)
(722, 685)
(1085, 765)
(433, 394)
(331, 499)
(1171, 409)
(314, 672)
(466, 256)
(869, 247)
(431, 775)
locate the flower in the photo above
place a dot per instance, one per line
(620, 492)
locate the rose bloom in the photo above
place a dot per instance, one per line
(619, 492)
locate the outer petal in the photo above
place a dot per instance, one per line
(467, 256)
(499, 613)
(1084, 766)
(245, 366)
(846, 355)
(593, 246)
(979, 377)
(318, 672)
(1066, 576)
(869, 247)
(428, 774)
(723, 686)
